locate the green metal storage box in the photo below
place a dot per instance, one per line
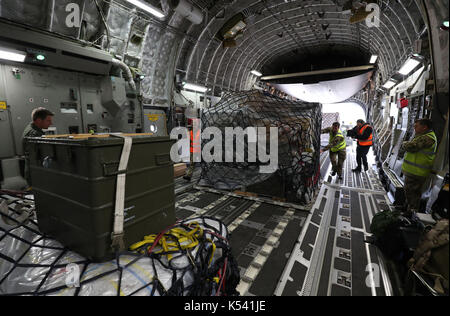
(74, 181)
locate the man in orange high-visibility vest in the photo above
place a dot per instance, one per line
(363, 132)
(195, 148)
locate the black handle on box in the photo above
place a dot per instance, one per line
(163, 159)
(111, 169)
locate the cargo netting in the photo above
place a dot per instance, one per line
(191, 258)
(299, 127)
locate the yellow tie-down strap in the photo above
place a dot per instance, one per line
(175, 240)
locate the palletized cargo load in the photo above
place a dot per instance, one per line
(294, 159)
(75, 180)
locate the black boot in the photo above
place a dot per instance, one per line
(357, 169)
(333, 173)
(187, 178)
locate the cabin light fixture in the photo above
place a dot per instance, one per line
(40, 57)
(35, 55)
(445, 25)
(12, 55)
(153, 128)
(235, 30)
(256, 73)
(410, 65)
(389, 84)
(148, 8)
(231, 30)
(373, 59)
(194, 87)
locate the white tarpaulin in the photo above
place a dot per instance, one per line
(333, 91)
(33, 264)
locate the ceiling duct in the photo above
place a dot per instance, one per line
(58, 53)
(113, 94)
(187, 10)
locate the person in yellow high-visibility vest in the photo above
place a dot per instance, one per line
(338, 148)
(418, 162)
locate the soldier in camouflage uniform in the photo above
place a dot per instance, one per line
(418, 162)
(42, 119)
(337, 147)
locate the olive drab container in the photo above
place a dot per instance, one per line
(74, 179)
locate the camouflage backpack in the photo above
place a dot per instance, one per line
(389, 227)
(431, 257)
(383, 221)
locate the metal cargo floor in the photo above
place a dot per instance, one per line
(285, 249)
(331, 257)
(263, 233)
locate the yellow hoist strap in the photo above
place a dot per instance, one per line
(174, 240)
